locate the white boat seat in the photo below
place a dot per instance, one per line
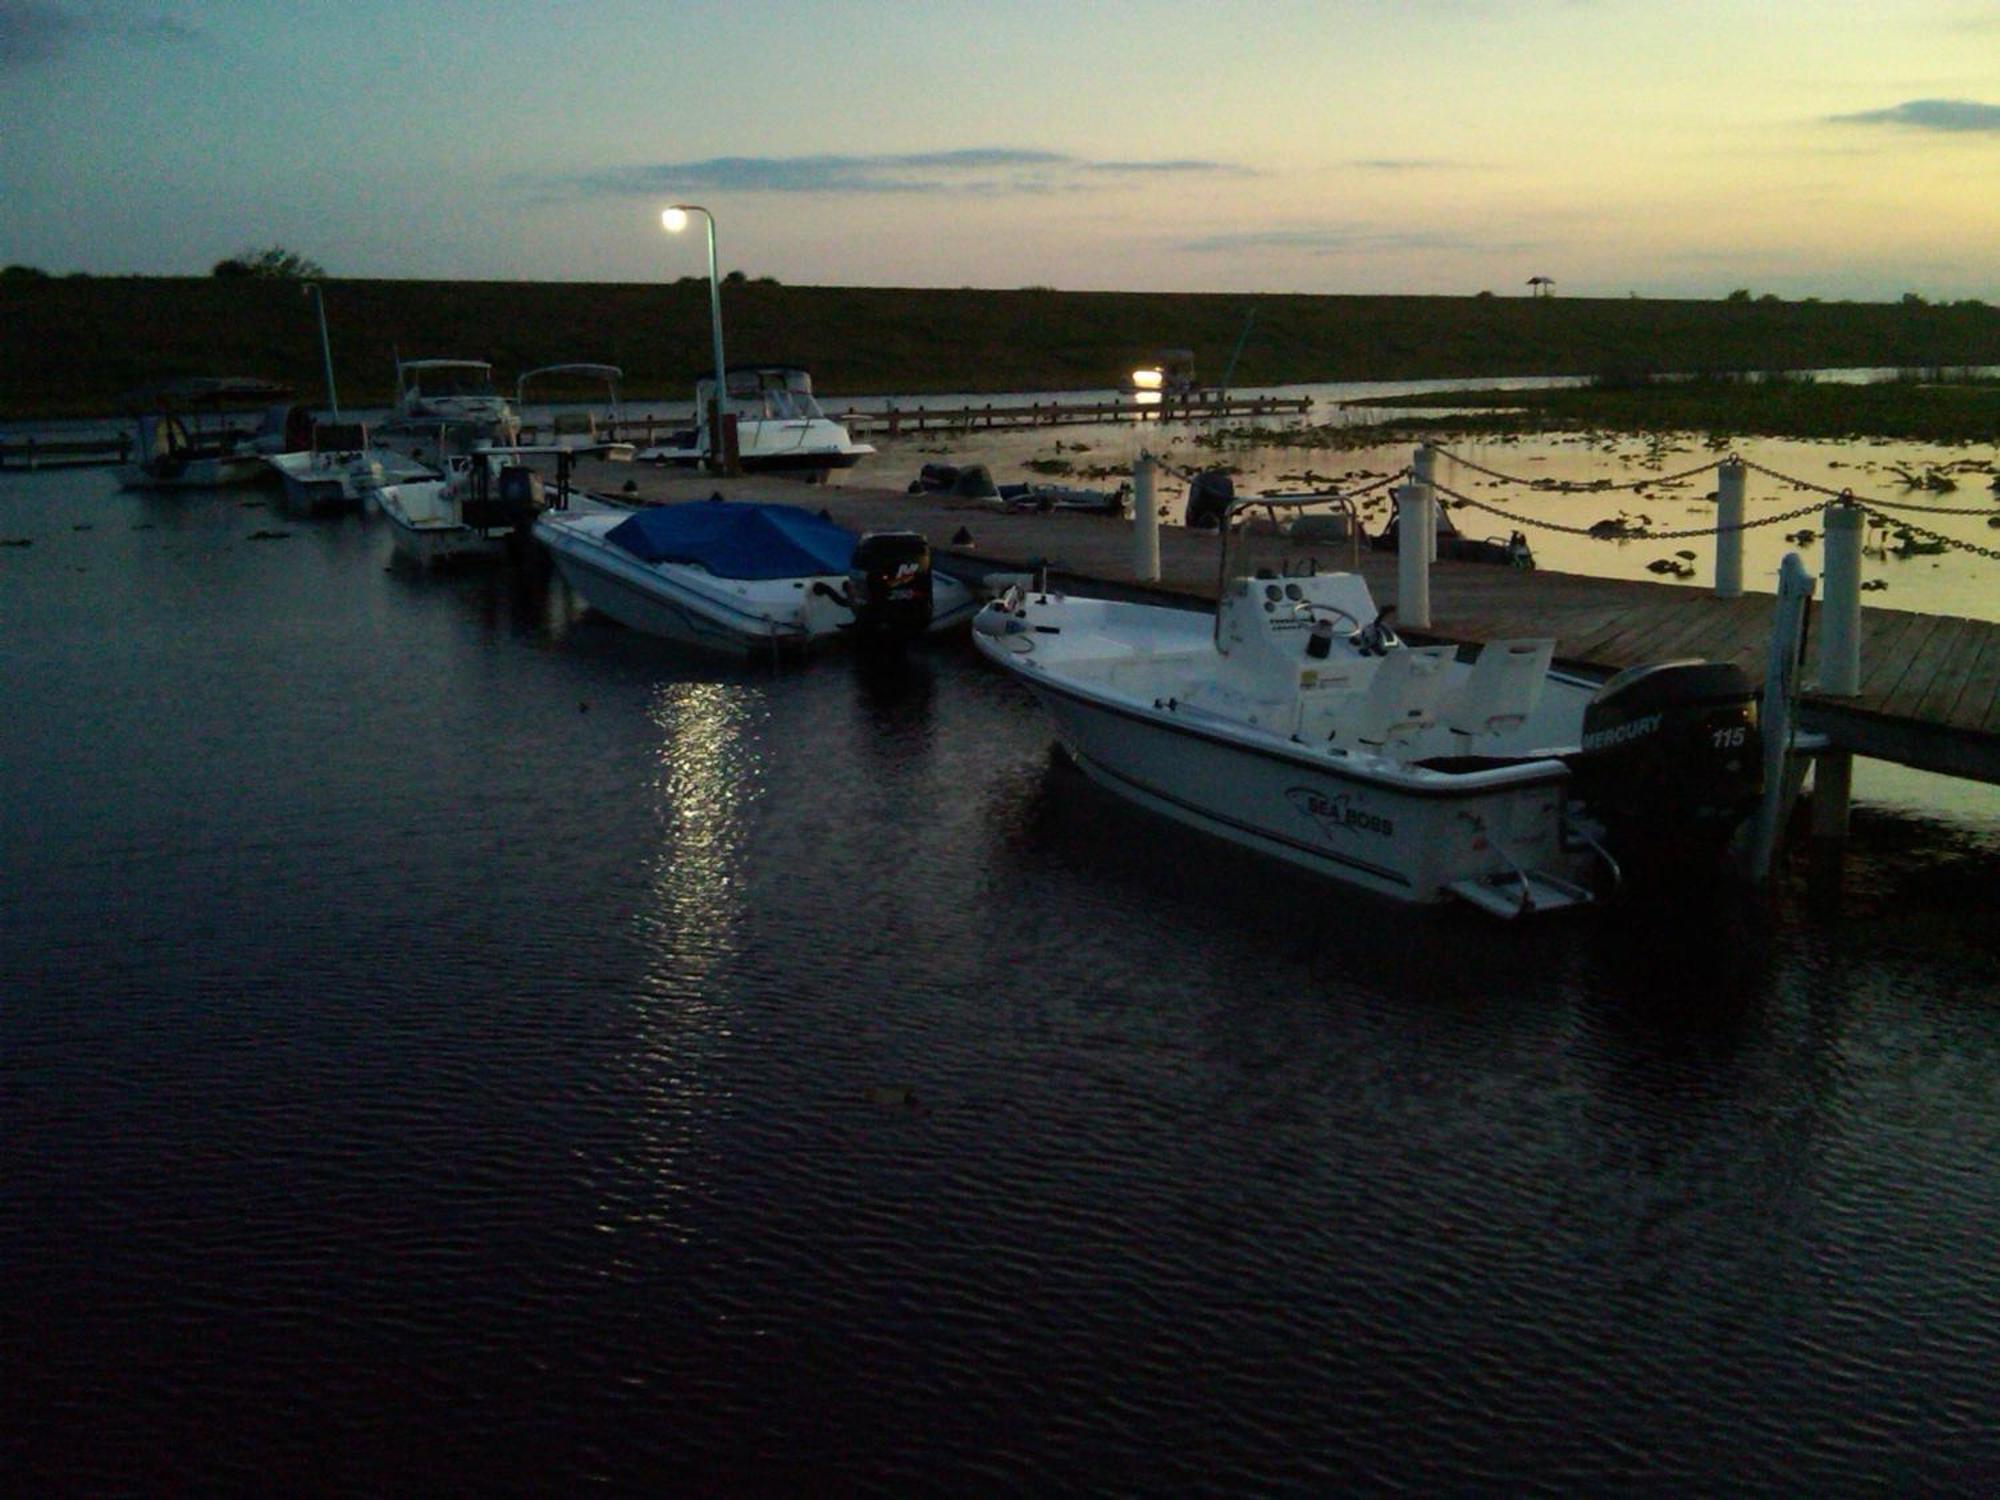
(1503, 687)
(1401, 700)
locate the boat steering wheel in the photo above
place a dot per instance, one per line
(1313, 610)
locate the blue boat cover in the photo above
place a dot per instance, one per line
(737, 538)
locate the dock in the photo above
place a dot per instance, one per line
(1930, 689)
(64, 452)
(895, 421)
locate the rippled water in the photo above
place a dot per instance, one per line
(451, 1043)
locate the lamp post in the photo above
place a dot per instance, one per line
(325, 348)
(675, 220)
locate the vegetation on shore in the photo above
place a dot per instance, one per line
(1955, 407)
(69, 346)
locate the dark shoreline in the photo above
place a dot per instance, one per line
(70, 346)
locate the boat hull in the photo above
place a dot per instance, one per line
(194, 473)
(1399, 835)
(692, 607)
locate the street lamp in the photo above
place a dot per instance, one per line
(675, 220)
(325, 349)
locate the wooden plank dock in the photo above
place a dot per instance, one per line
(64, 452)
(1930, 689)
(896, 420)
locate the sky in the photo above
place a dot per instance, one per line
(1660, 148)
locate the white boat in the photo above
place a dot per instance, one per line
(1291, 720)
(745, 576)
(474, 510)
(340, 469)
(584, 431)
(198, 433)
(447, 406)
(779, 425)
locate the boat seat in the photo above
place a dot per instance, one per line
(1503, 687)
(1401, 700)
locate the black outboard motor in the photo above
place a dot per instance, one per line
(513, 497)
(1671, 760)
(1208, 499)
(889, 584)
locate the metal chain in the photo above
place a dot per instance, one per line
(1935, 536)
(1877, 508)
(1646, 535)
(1848, 496)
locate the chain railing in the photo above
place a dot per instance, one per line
(1635, 534)
(1877, 510)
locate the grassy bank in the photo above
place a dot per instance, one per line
(69, 346)
(1942, 411)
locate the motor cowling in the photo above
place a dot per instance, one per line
(512, 497)
(1208, 499)
(1670, 756)
(889, 583)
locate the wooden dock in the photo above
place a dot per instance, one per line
(1930, 689)
(897, 420)
(71, 452)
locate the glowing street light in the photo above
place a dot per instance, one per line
(674, 220)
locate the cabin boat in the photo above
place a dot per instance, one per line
(584, 431)
(747, 577)
(1292, 720)
(198, 433)
(779, 426)
(448, 405)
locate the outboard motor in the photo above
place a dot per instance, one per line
(1208, 499)
(889, 584)
(1671, 757)
(511, 498)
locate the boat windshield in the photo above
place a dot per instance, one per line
(778, 395)
(455, 380)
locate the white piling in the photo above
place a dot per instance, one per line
(1774, 714)
(1729, 529)
(1413, 567)
(1840, 617)
(1145, 520)
(1424, 465)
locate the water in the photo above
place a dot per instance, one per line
(451, 1043)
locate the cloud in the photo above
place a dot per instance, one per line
(975, 170)
(1336, 240)
(1930, 114)
(34, 31)
(1403, 164)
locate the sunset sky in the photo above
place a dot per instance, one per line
(1440, 146)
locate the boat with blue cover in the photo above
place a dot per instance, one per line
(746, 576)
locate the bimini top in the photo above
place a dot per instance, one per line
(737, 539)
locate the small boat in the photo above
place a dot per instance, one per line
(1454, 545)
(975, 482)
(198, 433)
(745, 576)
(1294, 721)
(779, 426)
(340, 469)
(582, 431)
(475, 510)
(446, 406)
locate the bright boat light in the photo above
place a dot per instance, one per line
(1147, 380)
